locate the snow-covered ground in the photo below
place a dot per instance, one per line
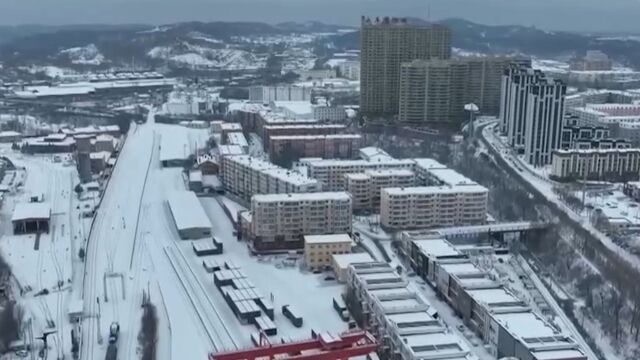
(200, 56)
(84, 55)
(47, 269)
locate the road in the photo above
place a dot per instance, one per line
(111, 243)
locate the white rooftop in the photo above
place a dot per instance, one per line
(436, 247)
(492, 296)
(187, 210)
(237, 138)
(31, 210)
(328, 239)
(432, 346)
(344, 260)
(525, 325)
(461, 268)
(225, 150)
(290, 176)
(318, 196)
(451, 177)
(389, 172)
(299, 108)
(314, 137)
(428, 190)
(567, 354)
(428, 164)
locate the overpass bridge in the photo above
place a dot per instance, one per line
(521, 230)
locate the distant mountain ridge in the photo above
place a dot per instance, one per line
(204, 42)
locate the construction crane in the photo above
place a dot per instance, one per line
(322, 347)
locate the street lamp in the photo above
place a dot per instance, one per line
(472, 109)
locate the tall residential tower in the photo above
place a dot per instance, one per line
(385, 44)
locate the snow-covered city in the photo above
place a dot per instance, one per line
(398, 189)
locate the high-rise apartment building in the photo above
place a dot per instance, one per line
(544, 121)
(516, 83)
(387, 43)
(436, 91)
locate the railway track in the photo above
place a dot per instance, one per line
(202, 309)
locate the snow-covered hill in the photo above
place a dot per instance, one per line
(198, 56)
(83, 55)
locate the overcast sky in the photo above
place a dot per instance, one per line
(580, 15)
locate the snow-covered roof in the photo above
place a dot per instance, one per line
(299, 108)
(30, 211)
(9, 133)
(451, 177)
(314, 137)
(426, 190)
(195, 176)
(344, 260)
(371, 152)
(328, 239)
(435, 346)
(461, 269)
(525, 325)
(436, 248)
(290, 176)
(304, 126)
(187, 210)
(225, 150)
(237, 138)
(493, 296)
(428, 164)
(564, 354)
(318, 196)
(389, 172)
(230, 126)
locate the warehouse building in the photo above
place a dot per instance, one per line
(245, 176)
(405, 324)
(279, 221)
(501, 319)
(433, 206)
(188, 215)
(29, 218)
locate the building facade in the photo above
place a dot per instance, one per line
(596, 164)
(287, 149)
(280, 221)
(319, 249)
(516, 82)
(385, 44)
(436, 91)
(544, 121)
(309, 129)
(267, 94)
(433, 206)
(245, 176)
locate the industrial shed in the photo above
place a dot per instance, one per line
(31, 218)
(190, 219)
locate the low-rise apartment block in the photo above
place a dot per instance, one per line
(245, 176)
(287, 149)
(238, 139)
(365, 187)
(505, 323)
(596, 164)
(319, 249)
(433, 206)
(280, 221)
(331, 172)
(304, 129)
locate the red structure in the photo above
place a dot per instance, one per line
(323, 347)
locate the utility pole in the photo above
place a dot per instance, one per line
(98, 323)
